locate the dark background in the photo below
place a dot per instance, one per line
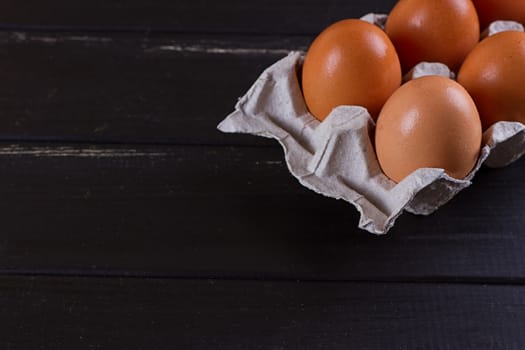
(129, 222)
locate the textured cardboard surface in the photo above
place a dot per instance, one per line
(336, 158)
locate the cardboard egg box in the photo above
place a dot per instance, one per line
(336, 157)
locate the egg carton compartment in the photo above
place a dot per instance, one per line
(336, 157)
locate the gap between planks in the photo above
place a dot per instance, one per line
(104, 150)
(68, 151)
(199, 45)
(73, 273)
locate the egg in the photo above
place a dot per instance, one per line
(494, 75)
(430, 122)
(433, 31)
(352, 62)
(492, 10)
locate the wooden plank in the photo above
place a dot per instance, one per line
(236, 213)
(93, 313)
(128, 87)
(232, 16)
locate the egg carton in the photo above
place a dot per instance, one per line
(336, 157)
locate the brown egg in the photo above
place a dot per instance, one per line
(494, 75)
(434, 31)
(430, 122)
(492, 10)
(352, 62)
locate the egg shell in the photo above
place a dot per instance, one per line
(336, 157)
(494, 75)
(493, 10)
(434, 31)
(352, 62)
(430, 122)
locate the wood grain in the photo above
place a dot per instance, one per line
(230, 16)
(128, 222)
(101, 313)
(235, 213)
(128, 87)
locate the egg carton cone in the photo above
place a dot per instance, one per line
(336, 157)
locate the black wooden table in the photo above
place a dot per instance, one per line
(129, 222)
